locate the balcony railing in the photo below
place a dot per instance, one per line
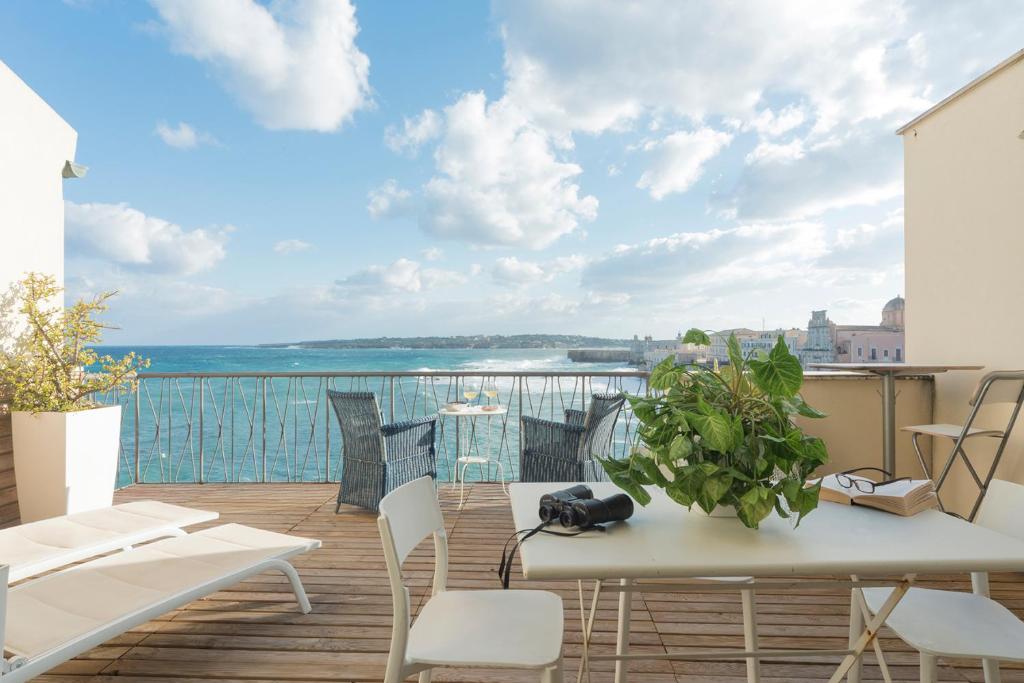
(279, 427)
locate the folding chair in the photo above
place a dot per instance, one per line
(995, 387)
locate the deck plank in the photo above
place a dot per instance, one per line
(253, 632)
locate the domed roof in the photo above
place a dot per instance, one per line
(895, 304)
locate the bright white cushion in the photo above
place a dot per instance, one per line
(514, 628)
(61, 608)
(34, 548)
(953, 624)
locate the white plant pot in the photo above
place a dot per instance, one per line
(723, 511)
(65, 462)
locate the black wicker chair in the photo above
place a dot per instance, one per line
(377, 458)
(566, 451)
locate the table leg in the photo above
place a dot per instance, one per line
(889, 423)
(622, 636)
(750, 634)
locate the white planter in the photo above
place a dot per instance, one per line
(723, 511)
(65, 462)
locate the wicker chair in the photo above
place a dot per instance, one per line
(566, 451)
(378, 458)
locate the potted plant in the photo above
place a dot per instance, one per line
(725, 438)
(65, 441)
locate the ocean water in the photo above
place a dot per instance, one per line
(282, 429)
(295, 359)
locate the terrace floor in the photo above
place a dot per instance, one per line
(254, 632)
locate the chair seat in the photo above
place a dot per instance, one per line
(476, 459)
(950, 431)
(501, 628)
(953, 624)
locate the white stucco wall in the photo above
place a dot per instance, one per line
(964, 178)
(34, 144)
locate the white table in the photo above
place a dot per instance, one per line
(889, 372)
(665, 541)
(465, 457)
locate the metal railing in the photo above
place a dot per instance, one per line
(268, 427)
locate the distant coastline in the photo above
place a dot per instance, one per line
(477, 341)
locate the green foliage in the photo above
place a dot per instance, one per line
(49, 364)
(725, 437)
(696, 336)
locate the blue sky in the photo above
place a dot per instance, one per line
(319, 168)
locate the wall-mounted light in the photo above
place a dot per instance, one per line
(1021, 136)
(73, 170)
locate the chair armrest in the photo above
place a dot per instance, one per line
(575, 417)
(398, 427)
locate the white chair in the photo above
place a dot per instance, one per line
(482, 628)
(940, 623)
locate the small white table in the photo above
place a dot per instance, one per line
(665, 541)
(889, 372)
(464, 456)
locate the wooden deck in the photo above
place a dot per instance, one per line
(254, 632)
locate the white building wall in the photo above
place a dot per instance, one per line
(34, 144)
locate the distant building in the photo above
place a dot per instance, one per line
(719, 341)
(831, 343)
(795, 339)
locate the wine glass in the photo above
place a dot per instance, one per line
(470, 391)
(490, 390)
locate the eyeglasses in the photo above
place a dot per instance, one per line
(865, 485)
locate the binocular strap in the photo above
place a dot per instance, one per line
(508, 556)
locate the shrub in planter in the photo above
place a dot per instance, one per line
(65, 442)
(725, 437)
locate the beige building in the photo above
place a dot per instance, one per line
(964, 180)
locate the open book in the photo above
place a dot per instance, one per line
(904, 498)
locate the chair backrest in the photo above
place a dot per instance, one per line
(599, 424)
(1001, 386)
(359, 419)
(1003, 508)
(408, 515)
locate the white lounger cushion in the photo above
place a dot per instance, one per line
(34, 548)
(59, 609)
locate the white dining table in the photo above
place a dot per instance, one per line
(666, 541)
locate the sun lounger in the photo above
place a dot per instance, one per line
(54, 618)
(34, 548)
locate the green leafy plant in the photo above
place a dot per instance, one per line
(725, 437)
(49, 363)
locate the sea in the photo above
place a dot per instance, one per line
(244, 428)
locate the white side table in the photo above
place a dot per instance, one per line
(464, 455)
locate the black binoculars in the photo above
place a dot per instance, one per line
(577, 507)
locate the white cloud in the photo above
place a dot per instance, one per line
(388, 201)
(696, 263)
(432, 254)
(603, 65)
(499, 181)
(414, 133)
(512, 270)
(291, 246)
(402, 276)
(677, 160)
(293, 65)
(119, 234)
(183, 136)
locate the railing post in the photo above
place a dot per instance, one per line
(202, 447)
(138, 411)
(263, 422)
(519, 427)
(392, 398)
(327, 433)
